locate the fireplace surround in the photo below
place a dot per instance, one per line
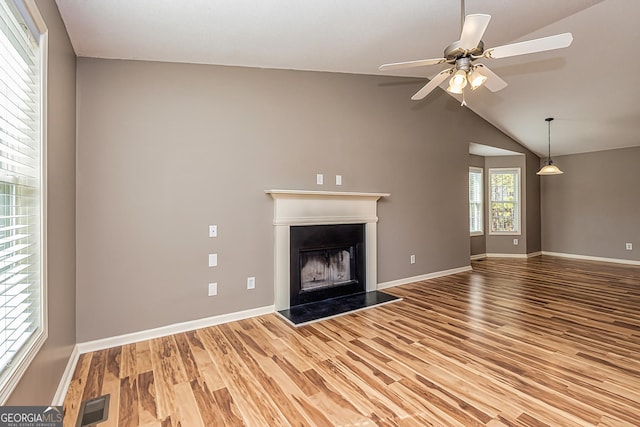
(293, 208)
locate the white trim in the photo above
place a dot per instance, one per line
(423, 277)
(330, 194)
(65, 381)
(489, 255)
(480, 171)
(175, 328)
(592, 258)
(309, 207)
(478, 256)
(519, 202)
(32, 346)
(530, 255)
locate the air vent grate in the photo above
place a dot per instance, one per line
(93, 411)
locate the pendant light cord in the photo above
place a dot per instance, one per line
(548, 120)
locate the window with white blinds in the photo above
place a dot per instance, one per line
(21, 307)
(475, 201)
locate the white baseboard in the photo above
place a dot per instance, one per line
(592, 258)
(63, 386)
(176, 328)
(491, 255)
(101, 344)
(423, 277)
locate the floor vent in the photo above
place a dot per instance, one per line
(93, 411)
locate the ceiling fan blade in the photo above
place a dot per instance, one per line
(473, 30)
(433, 83)
(409, 64)
(531, 46)
(494, 82)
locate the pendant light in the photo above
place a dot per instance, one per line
(549, 168)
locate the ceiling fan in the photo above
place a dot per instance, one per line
(463, 53)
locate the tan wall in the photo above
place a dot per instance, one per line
(592, 209)
(41, 379)
(164, 150)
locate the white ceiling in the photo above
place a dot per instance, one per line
(591, 88)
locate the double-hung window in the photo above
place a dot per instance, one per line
(475, 201)
(504, 204)
(22, 294)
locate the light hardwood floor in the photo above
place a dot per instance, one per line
(538, 342)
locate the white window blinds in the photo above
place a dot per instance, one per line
(21, 317)
(475, 201)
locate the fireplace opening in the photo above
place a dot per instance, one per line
(327, 261)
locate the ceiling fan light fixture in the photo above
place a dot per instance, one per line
(476, 79)
(458, 82)
(549, 168)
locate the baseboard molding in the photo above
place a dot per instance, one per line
(478, 256)
(490, 255)
(428, 276)
(592, 258)
(176, 328)
(63, 386)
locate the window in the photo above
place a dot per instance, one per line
(504, 209)
(476, 226)
(22, 313)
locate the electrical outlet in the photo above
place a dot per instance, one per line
(213, 260)
(412, 259)
(515, 242)
(629, 246)
(213, 231)
(338, 179)
(251, 282)
(319, 179)
(213, 289)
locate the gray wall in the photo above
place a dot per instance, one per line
(40, 381)
(593, 208)
(166, 149)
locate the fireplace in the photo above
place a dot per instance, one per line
(326, 261)
(297, 208)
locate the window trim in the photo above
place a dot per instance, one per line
(482, 227)
(32, 347)
(519, 202)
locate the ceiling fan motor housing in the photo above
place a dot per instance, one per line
(454, 52)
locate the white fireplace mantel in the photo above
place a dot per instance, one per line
(307, 207)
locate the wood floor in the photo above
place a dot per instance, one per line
(538, 342)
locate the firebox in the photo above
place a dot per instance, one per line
(326, 261)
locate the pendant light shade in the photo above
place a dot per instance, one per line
(549, 168)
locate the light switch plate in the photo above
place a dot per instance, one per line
(251, 282)
(319, 179)
(213, 260)
(213, 231)
(338, 179)
(213, 289)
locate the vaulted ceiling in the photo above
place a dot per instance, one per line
(591, 88)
